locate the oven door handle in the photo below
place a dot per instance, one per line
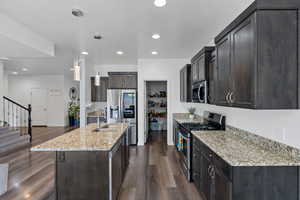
(186, 138)
(199, 96)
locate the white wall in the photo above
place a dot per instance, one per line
(19, 88)
(1, 89)
(279, 125)
(160, 69)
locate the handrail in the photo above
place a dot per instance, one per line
(12, 101)
(14, 115)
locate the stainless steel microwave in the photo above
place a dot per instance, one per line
(199, 92)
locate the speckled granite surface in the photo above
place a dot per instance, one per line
(85, 139)
(185, 118)
(241, 148)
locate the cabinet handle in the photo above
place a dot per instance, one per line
(231, 98)
(227, 97)
(209, 170)
(212, 172)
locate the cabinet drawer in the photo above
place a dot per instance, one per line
(223, 166)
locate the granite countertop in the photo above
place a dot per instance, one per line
(240, 148)
(240, 152)
(85, 139)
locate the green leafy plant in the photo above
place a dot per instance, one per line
(74, 110)
(192, 110)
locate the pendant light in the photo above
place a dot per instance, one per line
(97, 79)
(76, 70)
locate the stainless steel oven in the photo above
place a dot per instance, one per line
(199, 92)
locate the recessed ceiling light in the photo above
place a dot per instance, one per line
(24, 69)
(155, 36)
(4, 58)
(120, 52)
(160, 3)
(14, 73)
(77, 12)
(154, 52)
(84, 53)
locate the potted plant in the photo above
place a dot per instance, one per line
(192, 111)
(73, 114)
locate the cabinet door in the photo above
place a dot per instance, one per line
(195, 72)
(205, 184)
(223, 71)
(223, 186)
(129, 81)
(196, 165)
(212, 78)
(181, 85)
(115, 82)
(116, 172)
(93, 90)
(184, 84)
(243, 64)
(103, 89)
(201, 68)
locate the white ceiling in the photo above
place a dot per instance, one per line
(185, 27)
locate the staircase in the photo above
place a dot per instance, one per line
(11, 139)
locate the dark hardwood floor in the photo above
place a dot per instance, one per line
(153, 174)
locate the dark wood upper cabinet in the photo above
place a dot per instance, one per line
(212, 78)
(99, 93)
(223, 71)
(200, 64)
(185, 84)
(122, 80)
(257, 59)
(243, 63)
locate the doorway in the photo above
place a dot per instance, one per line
(156, 114)
(39, 107)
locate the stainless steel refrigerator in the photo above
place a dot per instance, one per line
(121, 107)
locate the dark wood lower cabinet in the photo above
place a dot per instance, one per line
(222, 186)
(92, 175)
(215, 179)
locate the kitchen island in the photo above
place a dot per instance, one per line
(90, 164)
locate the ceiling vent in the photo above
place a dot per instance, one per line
(77, 12)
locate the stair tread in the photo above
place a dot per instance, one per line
(9, 134)
(16, 140)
